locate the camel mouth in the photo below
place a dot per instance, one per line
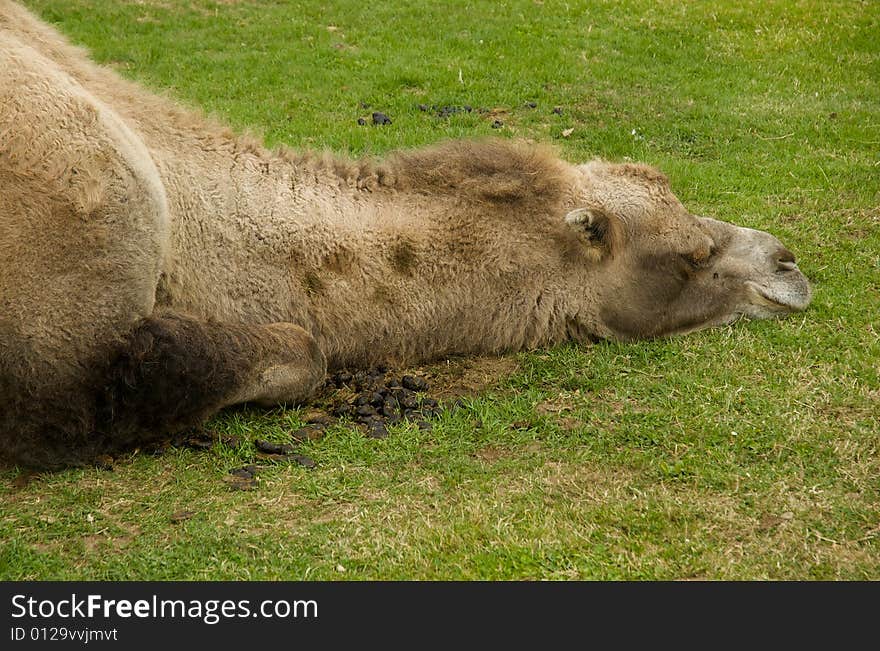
(790, 299)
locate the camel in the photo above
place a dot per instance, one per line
(155, 267)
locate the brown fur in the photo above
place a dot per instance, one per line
(155, 267)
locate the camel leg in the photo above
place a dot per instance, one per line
(169, 373)
(173, 371)
(294, 368)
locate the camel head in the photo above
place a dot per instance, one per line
(665, 271)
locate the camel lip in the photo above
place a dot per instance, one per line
(764, 296)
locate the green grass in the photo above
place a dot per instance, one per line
(747, 452)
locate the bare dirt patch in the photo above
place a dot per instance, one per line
(466, 377)
(490, 454)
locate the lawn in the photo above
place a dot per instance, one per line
(746, 452)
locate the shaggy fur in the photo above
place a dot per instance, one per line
(168, 374)
(155, 267)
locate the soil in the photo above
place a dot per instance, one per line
(181, 516)
(466, 376)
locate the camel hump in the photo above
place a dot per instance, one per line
(492, 170)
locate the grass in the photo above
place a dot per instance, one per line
(746, 452)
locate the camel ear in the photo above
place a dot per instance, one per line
(600, 228)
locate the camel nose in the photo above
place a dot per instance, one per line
(784, 260)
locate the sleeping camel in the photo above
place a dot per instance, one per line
(155, 267)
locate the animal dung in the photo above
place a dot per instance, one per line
(376, 429)
(414, 383)
(311, 432)
(245, 472)
(380, 118)
(273, 448)
(303, 460)
(446, 111)
(376, 399)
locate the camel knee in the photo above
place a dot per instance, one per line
(307, 372)
(293, 367)
(174, 371)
